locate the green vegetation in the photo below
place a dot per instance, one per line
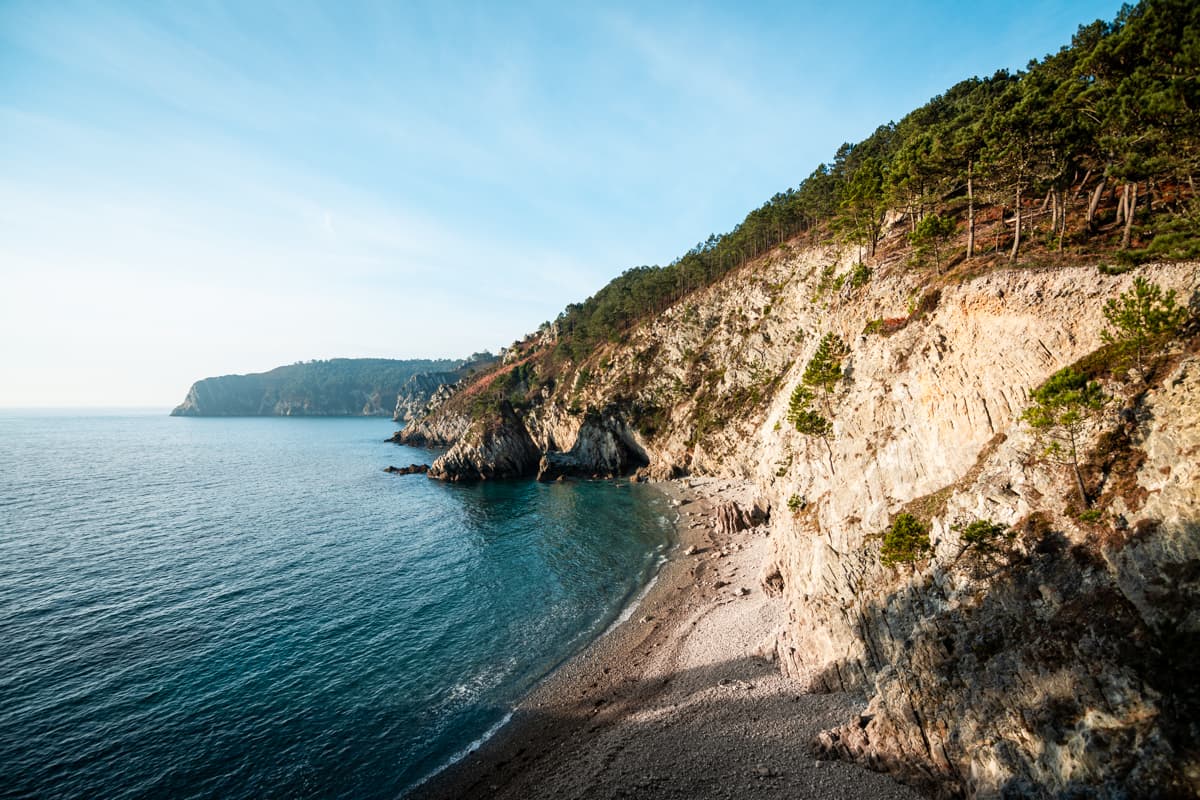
(1096, 143)
(334, 387)
(885, 327)
(905, 541)
(860, 275)
(931, 236)
(1062, 408)
(795, 503)
(984, 537)
(1115, 114)
(1142, 319)
(810, 405)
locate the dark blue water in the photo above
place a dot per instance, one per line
(237, 608)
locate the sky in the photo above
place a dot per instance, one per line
(202, 188)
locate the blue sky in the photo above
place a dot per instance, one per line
(199, 188)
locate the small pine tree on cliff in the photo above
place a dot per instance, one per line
(1142, 319)
(810, 406)
(905, 541)
(1061, 410)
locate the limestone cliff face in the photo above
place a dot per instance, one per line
(439, 425)
(1059, 666)
(414, 398)
(489, 448)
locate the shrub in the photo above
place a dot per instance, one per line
(905, 541)
(796, 503)
(859, 275)
(810, 407)
(885, 327)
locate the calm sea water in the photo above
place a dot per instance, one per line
(238, 608)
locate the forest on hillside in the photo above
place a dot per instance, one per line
(1098, 143)
(338, 386)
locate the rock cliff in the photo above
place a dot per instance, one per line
(418, 392)
(1053, 665)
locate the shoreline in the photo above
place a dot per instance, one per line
(678, 697)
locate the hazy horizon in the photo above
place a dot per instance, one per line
(187, 193)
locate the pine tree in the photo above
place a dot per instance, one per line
(1061, 410)
(1142, 318)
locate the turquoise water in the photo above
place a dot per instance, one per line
(237, 608)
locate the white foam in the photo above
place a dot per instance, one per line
(466, 751)
(633, 604)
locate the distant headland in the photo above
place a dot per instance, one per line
(338, 387)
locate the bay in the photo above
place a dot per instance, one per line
(251, 607)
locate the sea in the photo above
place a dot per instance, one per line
(252, 608)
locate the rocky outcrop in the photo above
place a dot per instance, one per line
(731, 517)
(497, 447)
(440, 426)
(411, 469)
(418, 392)
(604, 447)
(1047, 671)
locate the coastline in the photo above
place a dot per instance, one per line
(678, 697)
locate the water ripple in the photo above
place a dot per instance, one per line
(251, 608)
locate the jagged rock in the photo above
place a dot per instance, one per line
(489, 449)
(604, 447)
(411, 469)
(436, 430)
(731, 517)
(415, 396)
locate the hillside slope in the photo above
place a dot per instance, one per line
(338, 387)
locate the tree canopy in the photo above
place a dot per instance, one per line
(1116, 110)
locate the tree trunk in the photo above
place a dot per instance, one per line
(1122, 203)
(1062, 220)
(1083, 498)
(970, 214)
(1012, 256)
(1130, 206)
(1079, 189)
(1095, 203)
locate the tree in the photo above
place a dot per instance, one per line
(1144, 93)
(1142, 317)
(931, 234)
(1061, 410)
(905, 541)
(810, 405)
(802, 415)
